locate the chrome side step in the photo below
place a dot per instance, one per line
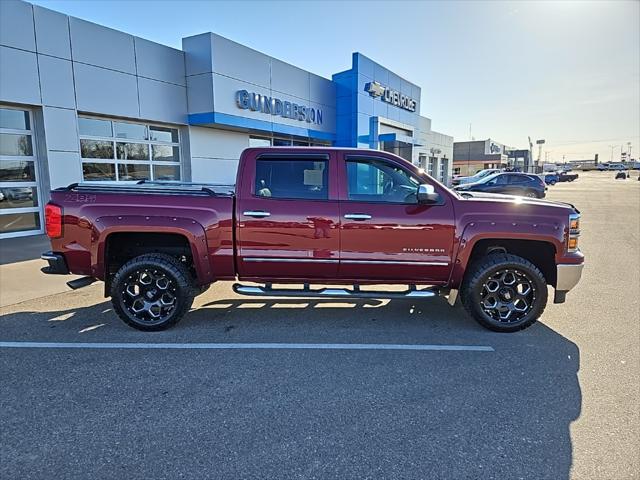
(268, 291)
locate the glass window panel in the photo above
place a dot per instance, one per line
(130, 130)
(164, 134)
(18, 197)
(166, 172)
(98, 171)
(300, 143)
(165, 153)
(129, 171)
(15, 119)
(259, 142)
(306, 179)
(380, 182)
(132, 151)
(19, 222)
(281, 142)
(15, 145)
(17, 171)
(94, 128)
(96, 149)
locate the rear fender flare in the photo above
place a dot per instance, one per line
(188, 228)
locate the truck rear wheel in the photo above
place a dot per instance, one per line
(504, 292)
(152, 292)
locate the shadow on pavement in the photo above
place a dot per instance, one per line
(505, 414)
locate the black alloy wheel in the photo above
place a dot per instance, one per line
(152, 292)
(504, 292)
(508, 295)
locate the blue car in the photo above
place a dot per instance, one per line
(551, 178)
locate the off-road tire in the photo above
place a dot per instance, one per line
(482, 270)
(180, 284)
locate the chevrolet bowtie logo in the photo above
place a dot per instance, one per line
(374, 89)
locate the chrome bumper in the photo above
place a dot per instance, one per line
(568, 276)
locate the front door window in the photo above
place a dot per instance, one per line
(375, 181)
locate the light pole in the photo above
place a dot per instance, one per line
(539, 143)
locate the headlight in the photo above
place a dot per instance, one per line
(574, 232)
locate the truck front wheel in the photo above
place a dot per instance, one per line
(152, 292)
(504, 292)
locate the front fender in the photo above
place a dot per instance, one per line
(473, 232)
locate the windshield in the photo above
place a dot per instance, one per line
(488, 178)
(482, 173)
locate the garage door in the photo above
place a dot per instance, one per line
(20, 206)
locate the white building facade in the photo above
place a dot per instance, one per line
(82, 102)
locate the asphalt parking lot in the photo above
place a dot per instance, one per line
(556, 401)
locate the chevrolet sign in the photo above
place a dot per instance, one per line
(388, 95)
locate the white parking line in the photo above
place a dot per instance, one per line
(249, 346)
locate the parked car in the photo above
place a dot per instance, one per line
(551, 178)
(522, 184)
(312, 216)
(476, 177)
(612, 166)
(567, 177)
(621, 175)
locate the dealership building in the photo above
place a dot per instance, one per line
(83, 102)
(475, 155)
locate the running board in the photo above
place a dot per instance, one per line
(268, 291)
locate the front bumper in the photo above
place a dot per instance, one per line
(57, 264)
(568, 276)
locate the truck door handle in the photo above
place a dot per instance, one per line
(256, 213)
(357, 216)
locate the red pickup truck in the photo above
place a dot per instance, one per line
(307, 218)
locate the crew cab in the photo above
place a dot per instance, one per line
(308, 217)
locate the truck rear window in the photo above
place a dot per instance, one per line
(291, 178)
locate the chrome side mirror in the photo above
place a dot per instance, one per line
(427, 194)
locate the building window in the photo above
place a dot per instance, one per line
(113, 150)
(431, 170)
(259, 142)
(19, 192)
(444, 170)
(422, 161)
(281, 142)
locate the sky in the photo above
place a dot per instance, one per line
(567, 72)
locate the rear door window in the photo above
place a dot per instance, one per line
(518, 179)
(292, 178)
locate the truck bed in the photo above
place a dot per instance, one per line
(94, 214)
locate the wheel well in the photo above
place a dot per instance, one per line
(541, 254)
(123, 246)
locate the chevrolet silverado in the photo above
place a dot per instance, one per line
(307, 219)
